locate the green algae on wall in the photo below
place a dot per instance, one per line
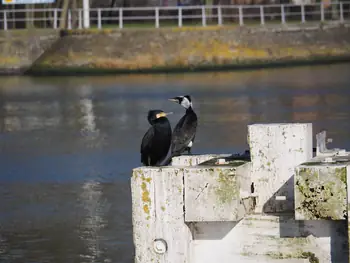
(9, 60)
(213, 194)
(321, 192)
(210, 48)
(20, 48)
(227, 188)
(145, 195)
(306, 255)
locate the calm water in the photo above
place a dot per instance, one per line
(67, 147)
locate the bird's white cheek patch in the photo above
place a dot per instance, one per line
(190, 144)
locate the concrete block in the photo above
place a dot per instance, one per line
(217, 193)
(276, 149)
(321, 190)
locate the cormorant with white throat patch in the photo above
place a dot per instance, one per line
(185, 130)
(156, 141)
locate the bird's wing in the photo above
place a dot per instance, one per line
(184, 132)
(145, 145)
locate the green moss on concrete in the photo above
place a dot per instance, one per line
(9, 60)
(311, 256)
(321, 193)
(185, 50)
(341, 174)
(20, 48)
(26, 33)
(311, 163)
(145, 197)
(299, 254)
(227, 188)
(47, 69)
(247, 254)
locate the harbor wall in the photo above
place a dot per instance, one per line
(19, 49)
(174, 49)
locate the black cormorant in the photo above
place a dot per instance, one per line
(156, 141)
(185, 130)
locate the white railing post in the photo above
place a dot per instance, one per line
(5, 20)
(322, 11)
(302, 13)
(240, 13)
(180, 16)
(219, 16)
(157, 17)
(69, 19)
(80, 19)
(283, 15)
(120, 17)
(341, 11)
(262, 15)
(86, 11)
(55, 18)
(99, 19)
(204, 19)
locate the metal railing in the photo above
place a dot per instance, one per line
(176, 16)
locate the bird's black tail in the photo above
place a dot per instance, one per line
(167, 160)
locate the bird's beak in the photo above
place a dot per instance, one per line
(173, 99)
(163, 114)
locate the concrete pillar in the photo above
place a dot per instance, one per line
(276, 149)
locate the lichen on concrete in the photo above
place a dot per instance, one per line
(311, 163)
(145, 197)
(134, 50)
(299, 254)
(19, 49)
(341, 174)
(321, 192)
(226, 190)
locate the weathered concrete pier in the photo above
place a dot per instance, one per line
(278, 204)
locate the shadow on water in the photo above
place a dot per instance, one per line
(67, 146)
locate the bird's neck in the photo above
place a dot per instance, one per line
(189, 109)
(163, 122)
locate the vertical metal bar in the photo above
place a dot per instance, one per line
(5, 20)
(180, 17)
(283, 15)
(240, 13)
(157, 17)
(341, 10)
(302, 13)
(120, 17)
(55, 18)
(204, 19)
(322, 11)
(80, 18)
(262, 16)
(219, 16)
(99, 22)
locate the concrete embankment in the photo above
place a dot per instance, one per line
(19, 49)
(184, 49)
